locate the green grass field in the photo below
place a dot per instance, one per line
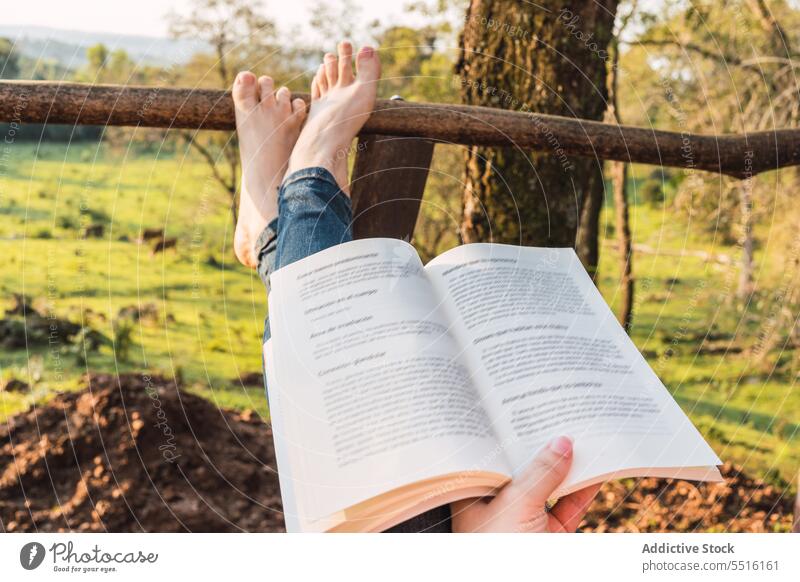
(211, 311)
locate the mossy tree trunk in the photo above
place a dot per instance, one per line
(548, 57)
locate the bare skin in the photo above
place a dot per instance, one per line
(521, 505)
(268, 124)
(341, 102)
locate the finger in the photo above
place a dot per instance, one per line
(569, 510)
(545, 473)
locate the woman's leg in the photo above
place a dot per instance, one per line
(314, 200)
(267, 124)
(314, 214)
(314, 210)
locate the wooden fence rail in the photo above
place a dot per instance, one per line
(737, 155)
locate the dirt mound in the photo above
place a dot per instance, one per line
(136, 454)
(740, 504)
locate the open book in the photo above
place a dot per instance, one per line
(395, 388)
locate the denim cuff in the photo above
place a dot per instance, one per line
(317, 172)
(313, 214)
(264, 249)
(321, 183)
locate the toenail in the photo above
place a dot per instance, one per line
(367, 52)
(244, 79)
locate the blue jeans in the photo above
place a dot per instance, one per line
(313, 215)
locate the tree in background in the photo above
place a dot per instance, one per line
(105, 66)
(417, 67)
(548, 57)
(96, 57)
(738, 55)
(619, 177)
(417, 71)
(731, 66)
(239, 37)
(9, 61)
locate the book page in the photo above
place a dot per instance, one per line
(550, 359)
(291, 515)
(373, 392)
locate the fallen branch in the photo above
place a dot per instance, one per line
(739, 155)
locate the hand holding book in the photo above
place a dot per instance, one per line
(521, 506)
(396, 387)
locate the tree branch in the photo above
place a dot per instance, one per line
(694, 48)
(771, 25)
(211, 161)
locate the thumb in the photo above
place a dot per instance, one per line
(546, 472)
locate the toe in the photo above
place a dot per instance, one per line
(284, 98)
(345, 63)
(322, 80)
(331, 69)
(245, 94)
(299, 108)
(267, 87)
(368, 65)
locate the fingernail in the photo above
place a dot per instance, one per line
(561, 445)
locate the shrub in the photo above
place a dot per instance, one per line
(66, 222)
(652, 192)
(123, 339)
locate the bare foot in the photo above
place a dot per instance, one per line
(340, 104)
(267, 123)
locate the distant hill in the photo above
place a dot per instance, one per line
(67, 48)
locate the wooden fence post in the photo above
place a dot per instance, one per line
(387, 185)
(386, 188)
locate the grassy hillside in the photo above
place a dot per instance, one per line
(696, 338)
(204, 314)
(209, 311)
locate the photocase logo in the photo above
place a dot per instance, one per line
(31, 555)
